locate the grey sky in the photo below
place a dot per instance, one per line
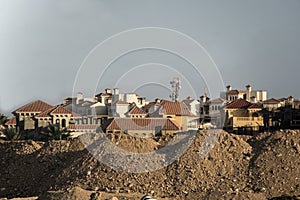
(43, 42)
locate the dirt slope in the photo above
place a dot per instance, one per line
(238, 167)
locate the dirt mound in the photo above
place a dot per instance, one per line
(134, 144)
(276, 164)
(215, 166)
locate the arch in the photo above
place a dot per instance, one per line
(63, 123)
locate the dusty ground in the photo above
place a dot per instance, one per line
(265, 166)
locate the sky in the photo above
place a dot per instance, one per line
(45, 43)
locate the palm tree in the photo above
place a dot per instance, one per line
(12, 133)
(54, 132)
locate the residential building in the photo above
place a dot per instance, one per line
(248, 94)
(241, 113)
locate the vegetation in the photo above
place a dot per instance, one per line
(54, 132)
(12, 133)
(3, 119)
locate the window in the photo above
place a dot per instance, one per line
(63, 123)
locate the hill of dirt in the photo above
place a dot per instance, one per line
(264, 166)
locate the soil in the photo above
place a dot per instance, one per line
(264, 166)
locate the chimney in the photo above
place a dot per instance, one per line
(248, 90)
(290, 99)
(79, 97)
(253, 99)
(107, 91)
(203, 99)
(116, 90)
(229, 87)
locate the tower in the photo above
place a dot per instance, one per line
(175, 84)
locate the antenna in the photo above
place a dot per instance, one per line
(205, 91)
(176, 85)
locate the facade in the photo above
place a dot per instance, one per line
(271, 104)
(25, 116)
(193, 105)
(118, 109)
(248, 94)
(136, 112)
(177, 111)
(57, 115)
(243, 114)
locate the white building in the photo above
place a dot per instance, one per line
(248, 94)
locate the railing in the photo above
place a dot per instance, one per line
(248, 118)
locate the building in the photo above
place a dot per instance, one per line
(145, 127)
(57, 115)
(193, 105)
(241, 113)
(177, 111)
(248, 94)
(25, 116)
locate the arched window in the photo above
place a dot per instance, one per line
(63, 123)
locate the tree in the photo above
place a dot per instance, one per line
(12, 133)
(3, 119)
(54, 132)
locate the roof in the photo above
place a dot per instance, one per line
(12, 121)
(218, 100)
(87, 103)
(119, 102)
(255, 106)
(174, 108)
(272, 100)
(60, 110)
(36, 106)
(188, 101)
(139, 124)
(149, 105)
(74, 127)
(136, 111)
(239, 104)
(235, 92)
(57, 110)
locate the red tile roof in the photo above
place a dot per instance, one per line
(36, 106)
(255, 106)
(12, 121)
(61, 110)
(136, 111)
(239, 104)
(57, 110)
(175, 108)
(139, 124)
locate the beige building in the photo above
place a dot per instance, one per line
(241, 113)
(177, 111)
(57, 115)
(25, 116)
